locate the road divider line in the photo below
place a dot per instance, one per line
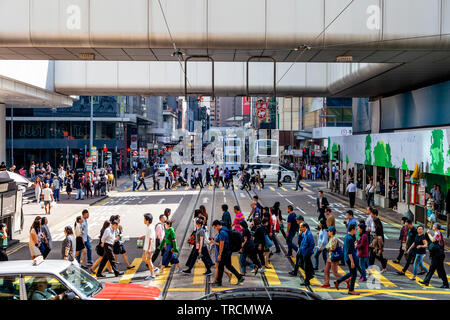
(199, 269)
(289, 201)
(272, 188)
(435, 272)
(235, 263)
(407, 274)
(284, 189)
(299, 209)
(407, 296)
(272, 276)
(313, 281)
(362, 295)
(343, 272)
(129, 274)
(384, 281)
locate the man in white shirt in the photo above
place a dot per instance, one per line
(351, 190)
(159, 233)
(370, 192)
(149, 245)
(47, 197)
(107, 242)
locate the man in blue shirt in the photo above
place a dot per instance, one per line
(350, 259)
(299, 256)
(307, 249)
(350, 219)
(86, 238)
(224, 256)
(292, 228)
(226, 217)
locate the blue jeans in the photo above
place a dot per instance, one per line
(290, 244)
(317, 254)
(418, 261)
(134, 185)
(88, 246)
(298, 185)
(351, 274)
(79, 194)
(243, 263)
(169, 257)
(363, 264)
(56, 194)
(275, 242)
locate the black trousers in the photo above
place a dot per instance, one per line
(108, 256)
(260, 254)
(199, 182)
(141, 182)
(321, 215)
(309, 270)
(279, 182)
(352, 196)
(155, 184)
(401, 252)
(205, 258)
(409, 259)
(253, 256)
(3, 255)
(437, 263)
(225, 261)
(167, 183)
(299, 262)
(221, 180)
(157, 251)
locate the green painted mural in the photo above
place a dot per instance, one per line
(404, 165)
(334, 149)
(382, 155)
(368, 150)
(346, 158)
(437, 152)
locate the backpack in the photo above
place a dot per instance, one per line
(337, 254)
(235, 240)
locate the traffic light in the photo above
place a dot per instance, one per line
(337, 153)
(128, 149)
(105, 149)
(312, 153)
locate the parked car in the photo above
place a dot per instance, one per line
(162, 168)
(271, 171)
(262, 293)
(63, 280)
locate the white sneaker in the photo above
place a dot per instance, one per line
(156, 270)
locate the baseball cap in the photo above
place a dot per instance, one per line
(332, 229)
(300, 217)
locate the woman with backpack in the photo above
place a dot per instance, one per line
(248, 250)
(331, 247)
(437, 255)
(169, 246)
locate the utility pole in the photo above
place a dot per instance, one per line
(91, 131)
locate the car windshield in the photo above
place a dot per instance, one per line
(81, 280)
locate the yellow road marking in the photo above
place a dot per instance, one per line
(151, 189)
(186, 188)
(284, 189)
(384, 281)
(210, 187)
(272, 277)
(435, 272)
(199, 269)
(408, 274)
(408, 296)
(448, 263)
(306, 184)
(235, 263)
(313, 281)
(222, 188)
(293, 188)
(272, 188)
(20, 246)
(161, 278)
(129, 274)
(101, 202)
(360, 296)
(386, 291)
(343, 272)
(304, 188)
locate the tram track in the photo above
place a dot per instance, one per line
(172, 269)
(283, 249)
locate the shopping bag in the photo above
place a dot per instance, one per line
(42, 204)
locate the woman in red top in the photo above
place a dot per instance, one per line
(362, 250)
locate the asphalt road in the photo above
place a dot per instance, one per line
(132, 205)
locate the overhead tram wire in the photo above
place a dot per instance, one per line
(308, 47)
(177, 52)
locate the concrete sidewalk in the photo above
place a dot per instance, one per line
(385, 214)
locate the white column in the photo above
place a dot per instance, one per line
(400, 185)
(2, 132)
(386, 182)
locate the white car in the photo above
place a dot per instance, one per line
(161, 168)
(271, 172)
(63, 280)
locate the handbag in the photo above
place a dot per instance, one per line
(99, 249)
(337, 254)
(191, 239)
